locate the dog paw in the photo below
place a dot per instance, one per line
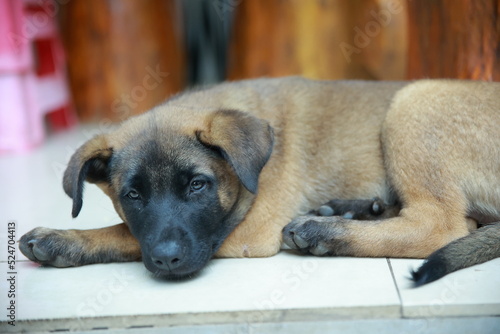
(317, 235)
(49, 247)
(372, 209)
(352, 209)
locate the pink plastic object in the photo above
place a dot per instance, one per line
(28, 36)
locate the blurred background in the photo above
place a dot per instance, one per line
(68, 62)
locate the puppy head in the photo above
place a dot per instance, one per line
(180, 189)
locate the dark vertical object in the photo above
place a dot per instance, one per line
(207, 24)
(454, 39)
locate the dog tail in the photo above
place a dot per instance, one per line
(478, 247)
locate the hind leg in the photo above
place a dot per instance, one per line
(426, 165)
(430, 218)
(433, 213)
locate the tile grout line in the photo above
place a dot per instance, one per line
(396, 286)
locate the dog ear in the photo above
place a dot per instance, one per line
(245, 141)
(88, 163)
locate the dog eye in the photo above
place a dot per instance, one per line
(132, 194)
(197, 185)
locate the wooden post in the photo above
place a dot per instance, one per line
(321, 39)
(124, 56)
(454, 39)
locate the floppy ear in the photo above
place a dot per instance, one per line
(88, 163)
(245, 141)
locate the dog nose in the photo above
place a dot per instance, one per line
(167, 256)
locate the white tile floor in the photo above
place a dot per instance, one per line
(284, 294)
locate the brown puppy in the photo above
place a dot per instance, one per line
(222, 171)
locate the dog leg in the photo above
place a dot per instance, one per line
(70, 248)
(433, 169)
(433, 212)
(416, 233)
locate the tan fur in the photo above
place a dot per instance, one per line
(349, 117)
(435, 142)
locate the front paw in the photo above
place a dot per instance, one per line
(50, 247)
(317, 235)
